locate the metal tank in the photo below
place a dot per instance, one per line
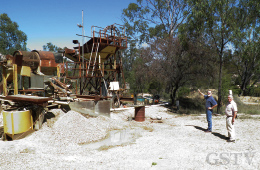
(43, 61)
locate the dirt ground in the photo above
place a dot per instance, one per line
(71, 141)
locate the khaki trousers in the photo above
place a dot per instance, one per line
(230, 128)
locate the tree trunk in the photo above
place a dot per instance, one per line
(173, 95)
(219, 84)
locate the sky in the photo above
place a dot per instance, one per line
(56, 21)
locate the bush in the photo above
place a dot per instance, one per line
(192, 105)
(246, 109)
(253, 112)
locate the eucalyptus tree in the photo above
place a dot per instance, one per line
(176, 64)
(151, 21)
(148, 20)
(246, 59)
(218, 21)
(246, 56)
(11, 38)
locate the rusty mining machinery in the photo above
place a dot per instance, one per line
(89, 83)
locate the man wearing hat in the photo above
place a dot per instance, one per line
(231, 113)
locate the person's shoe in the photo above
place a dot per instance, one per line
(231, 140)
(208, 131)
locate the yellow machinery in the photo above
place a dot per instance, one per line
(17, 122)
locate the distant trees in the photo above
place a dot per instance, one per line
(246, 60)
(152, 19)
(176, 64)
(50, 47)
(187, 38)
(246, 57)
(11, 38)
(170, 62)
(146, 21)
(220, 22)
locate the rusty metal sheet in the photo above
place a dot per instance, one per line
(30, 59)
(62, 68)
(23, 98)
(140, 113)
(48, 63)
(18, 59)
(69, 51)
(46, 55)
(48, 70)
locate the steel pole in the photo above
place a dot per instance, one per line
(83, 63)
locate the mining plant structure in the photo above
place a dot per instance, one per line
(90, 82)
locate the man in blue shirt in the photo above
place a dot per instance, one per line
(210, 104)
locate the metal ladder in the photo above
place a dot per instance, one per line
(90, 58)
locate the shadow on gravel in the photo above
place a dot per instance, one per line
(219, 135)
(213, 133)
(198, 127)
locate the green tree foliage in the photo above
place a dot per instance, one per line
(145, 21)
(246, 59)
(219, 22)
(139, 74)
(176, 65)
(151, 19)
(11, 38)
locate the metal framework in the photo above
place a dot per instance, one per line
(102, 60)
(52, 80)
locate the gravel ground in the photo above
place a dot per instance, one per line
(175, 142)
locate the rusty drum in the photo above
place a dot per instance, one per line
(140, 113)
(30, 59)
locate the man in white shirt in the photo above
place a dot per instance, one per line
(231, 112)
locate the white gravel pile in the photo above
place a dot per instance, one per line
(72, 127)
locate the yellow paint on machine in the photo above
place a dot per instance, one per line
(16, 122)
(25, 71)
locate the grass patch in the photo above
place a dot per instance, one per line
(196, 106)
(106, 147)
(150, 129)
(27, 150)
(247, 109)
(248, 117)
(154, 163)
(253, 112)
